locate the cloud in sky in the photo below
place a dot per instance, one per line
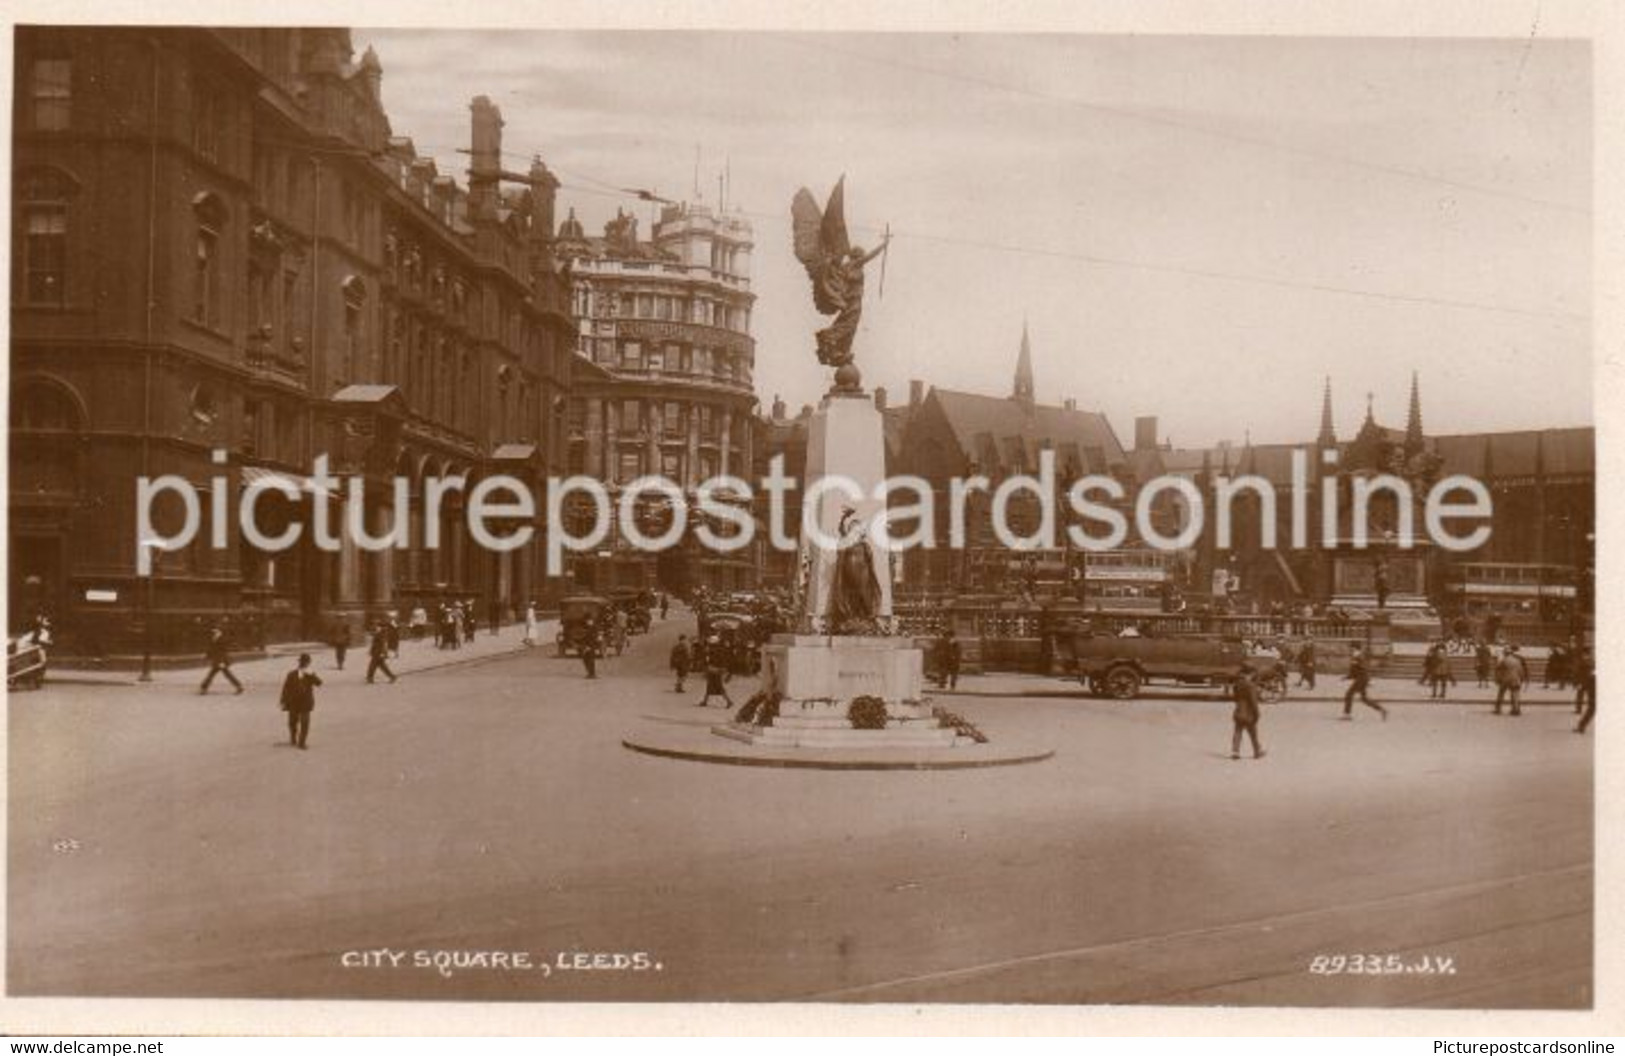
(1174, 216)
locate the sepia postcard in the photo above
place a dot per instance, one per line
(577, 514)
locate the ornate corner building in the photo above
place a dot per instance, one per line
(221, 246)
(663, 383)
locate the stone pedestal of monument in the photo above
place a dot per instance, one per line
(845, 441)
(815, 675)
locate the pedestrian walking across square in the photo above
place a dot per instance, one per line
(681, 658)
(716, 679)
(1246, 714)
(378, 654)
(218, 653)
(1359, 677)
(1585, 682)
(1511, 674)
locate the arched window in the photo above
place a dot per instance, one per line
(210, 214)
(38, 405)
(43, 196)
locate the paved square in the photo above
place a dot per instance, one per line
(166, 844)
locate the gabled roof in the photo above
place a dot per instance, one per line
(991, 428)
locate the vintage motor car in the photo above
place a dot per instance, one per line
(636, 604)
(25, 663)
(579, 616)
(733, 636)
(1120, 667)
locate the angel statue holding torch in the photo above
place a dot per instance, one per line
(835, 267)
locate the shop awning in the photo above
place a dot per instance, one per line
(281, 482)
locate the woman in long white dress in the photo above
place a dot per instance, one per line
(530, 624)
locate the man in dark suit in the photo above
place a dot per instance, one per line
(218, 652)
(680, 659)
(590, 650)
(1359, 678)
(1244, 718)
(378, 653)
(1585, 679)
(299, 700)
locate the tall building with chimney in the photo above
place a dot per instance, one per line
(228, 264)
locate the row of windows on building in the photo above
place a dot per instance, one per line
(439, 376)
(50, 106)
(668, 358)
(44, 199)
(669, 417)
(660, 307)
(273, 300)
(630, 463)
(725, 258)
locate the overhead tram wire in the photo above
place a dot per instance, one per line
(609, 190)
(1187, 126)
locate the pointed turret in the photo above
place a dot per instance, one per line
(1024, 370)
(1414, 442)
(1328, 436)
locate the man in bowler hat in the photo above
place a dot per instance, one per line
(299, 700)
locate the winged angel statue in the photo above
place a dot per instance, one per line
(836, 269)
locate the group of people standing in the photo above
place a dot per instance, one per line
(705, 657)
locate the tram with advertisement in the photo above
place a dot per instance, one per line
(1130, 578)
(1519, 595)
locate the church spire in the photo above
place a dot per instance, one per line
(1327, 437)
(1413, 424)
(1024, 369)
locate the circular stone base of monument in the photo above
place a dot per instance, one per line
(699, 744)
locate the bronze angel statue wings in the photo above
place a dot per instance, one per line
(835, 267)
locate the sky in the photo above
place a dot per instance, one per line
(1198, 228)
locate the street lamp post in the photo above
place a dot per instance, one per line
(146, 617)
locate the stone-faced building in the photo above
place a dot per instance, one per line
(220, 246)
(1535, 564)
(961, 434)
(664, 379)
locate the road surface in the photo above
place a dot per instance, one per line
(165, 844)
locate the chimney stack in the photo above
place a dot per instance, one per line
(544, 188)
(485, 164)
(880, 398)
(779, 409)
(1145, 433)
(916, 394)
